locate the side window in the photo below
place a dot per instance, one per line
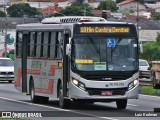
(45, 44)
(39, 38)
(32, 42)
(28, 43)
(51, 44)
(58, 51)
(42, 43)
(19, 44)
(35, 44)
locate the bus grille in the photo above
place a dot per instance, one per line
(97, 91)
(6, 73)
(107, 76)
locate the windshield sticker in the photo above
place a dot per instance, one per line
(110, 67)
(84, 61)
(99, 65)
(110, 42)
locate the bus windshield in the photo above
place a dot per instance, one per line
(104, 54)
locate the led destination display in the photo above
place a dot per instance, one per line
(104, 30)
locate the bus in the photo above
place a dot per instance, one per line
(77, 59)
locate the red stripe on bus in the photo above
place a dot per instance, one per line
(34, 71)
(48, 90)
(17, 82)
(52, 70)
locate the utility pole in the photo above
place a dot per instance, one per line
(5, 38)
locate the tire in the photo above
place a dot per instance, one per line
(34, 98)
(121, 103)
(63, 103)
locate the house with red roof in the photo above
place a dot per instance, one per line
(50, 10)
(130, 5)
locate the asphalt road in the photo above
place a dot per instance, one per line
(12, 100)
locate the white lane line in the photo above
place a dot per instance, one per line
(132, 105)
(90, 115)
(150, 96)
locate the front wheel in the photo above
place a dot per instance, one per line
(121, 103)
(63, 103)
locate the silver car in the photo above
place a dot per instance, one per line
(6, 69)
(144, 69)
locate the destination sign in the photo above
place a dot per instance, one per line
(104, 30)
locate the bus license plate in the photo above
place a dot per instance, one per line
(106, 93)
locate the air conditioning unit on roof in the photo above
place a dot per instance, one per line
(72, 19)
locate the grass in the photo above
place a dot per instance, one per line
(149, 90)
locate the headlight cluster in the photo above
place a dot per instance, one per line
(133, 84)
(78, 84)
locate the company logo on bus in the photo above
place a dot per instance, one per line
(106, 78)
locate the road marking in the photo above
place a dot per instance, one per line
(90, 115)
(150, 96)
(132, 105)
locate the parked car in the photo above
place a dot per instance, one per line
(6, 69)
(144, 69)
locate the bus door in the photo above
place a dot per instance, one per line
(25, 38)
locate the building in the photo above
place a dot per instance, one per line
(130, 5)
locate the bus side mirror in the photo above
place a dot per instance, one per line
(141, 48)
(68, 49)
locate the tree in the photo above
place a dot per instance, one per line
(74, 11)
(80, 3)
(151, 50)
(158, 38)
(21, 10)
(2, 14)
(107, 5)
(156, 17)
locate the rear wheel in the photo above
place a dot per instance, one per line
(121, 103)
(34, 98)
(63, 103)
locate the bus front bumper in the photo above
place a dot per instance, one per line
(95, 94)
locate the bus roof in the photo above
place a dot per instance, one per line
(61, 26)
(66, 22)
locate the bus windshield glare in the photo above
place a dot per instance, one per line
(104, 54)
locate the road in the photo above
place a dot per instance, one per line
(12, 100)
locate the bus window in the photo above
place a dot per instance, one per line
(39, 35)
(51, 44)
(35, 45)
(58, 52)
(45, 44)
(19, 44)
(42, 42)
(32, 39)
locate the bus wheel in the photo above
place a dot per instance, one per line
(121, 103)
(34, 98)
(63, 103)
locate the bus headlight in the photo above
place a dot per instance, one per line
(78, 84)
(133, 84)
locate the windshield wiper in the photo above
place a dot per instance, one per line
(94, 45)
(116, 45)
